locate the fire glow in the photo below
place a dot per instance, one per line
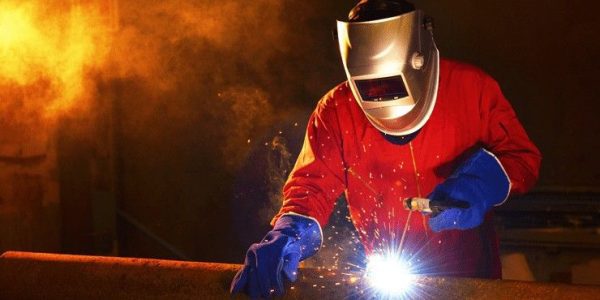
(51, 43)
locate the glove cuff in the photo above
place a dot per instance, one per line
(304, 229)
(503, 171)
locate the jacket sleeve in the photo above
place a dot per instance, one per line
(503, 135)
(318, 177)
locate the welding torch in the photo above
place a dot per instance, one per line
(432, 207)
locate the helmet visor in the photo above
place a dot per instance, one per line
(382, 89)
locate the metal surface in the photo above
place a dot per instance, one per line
(25, 275)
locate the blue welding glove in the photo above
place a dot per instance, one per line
(293, 238)
(481, 181)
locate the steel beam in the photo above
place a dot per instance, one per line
(25, 275)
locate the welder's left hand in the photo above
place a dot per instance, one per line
(481, 181)
(275, 259)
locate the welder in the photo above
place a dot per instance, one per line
(406, 123)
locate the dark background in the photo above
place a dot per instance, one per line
(200, 111)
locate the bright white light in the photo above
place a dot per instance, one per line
(389, 275)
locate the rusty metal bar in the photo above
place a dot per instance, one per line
(25, 275)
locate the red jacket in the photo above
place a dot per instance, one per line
(343, 152)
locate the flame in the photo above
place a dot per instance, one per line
(51, 43)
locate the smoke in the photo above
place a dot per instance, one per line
(233, 63)
(202, 65)
(186, 89)
(245, 110)
(47, 52)
(169, 43)
(279, 164)
(188, 58)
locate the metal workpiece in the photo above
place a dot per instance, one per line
(25, 275)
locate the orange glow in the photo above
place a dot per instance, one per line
(50, 42)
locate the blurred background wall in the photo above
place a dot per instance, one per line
(165, 129)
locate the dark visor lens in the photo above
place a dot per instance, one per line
(382, 89)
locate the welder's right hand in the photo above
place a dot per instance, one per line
(480, 181)
(293, 239)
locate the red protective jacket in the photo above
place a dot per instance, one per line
(343, 152)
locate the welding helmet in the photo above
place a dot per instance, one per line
(392, 64)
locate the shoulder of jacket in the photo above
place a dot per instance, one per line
(336, 95)
(455, 68)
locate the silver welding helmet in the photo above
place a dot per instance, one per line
(392, 65)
